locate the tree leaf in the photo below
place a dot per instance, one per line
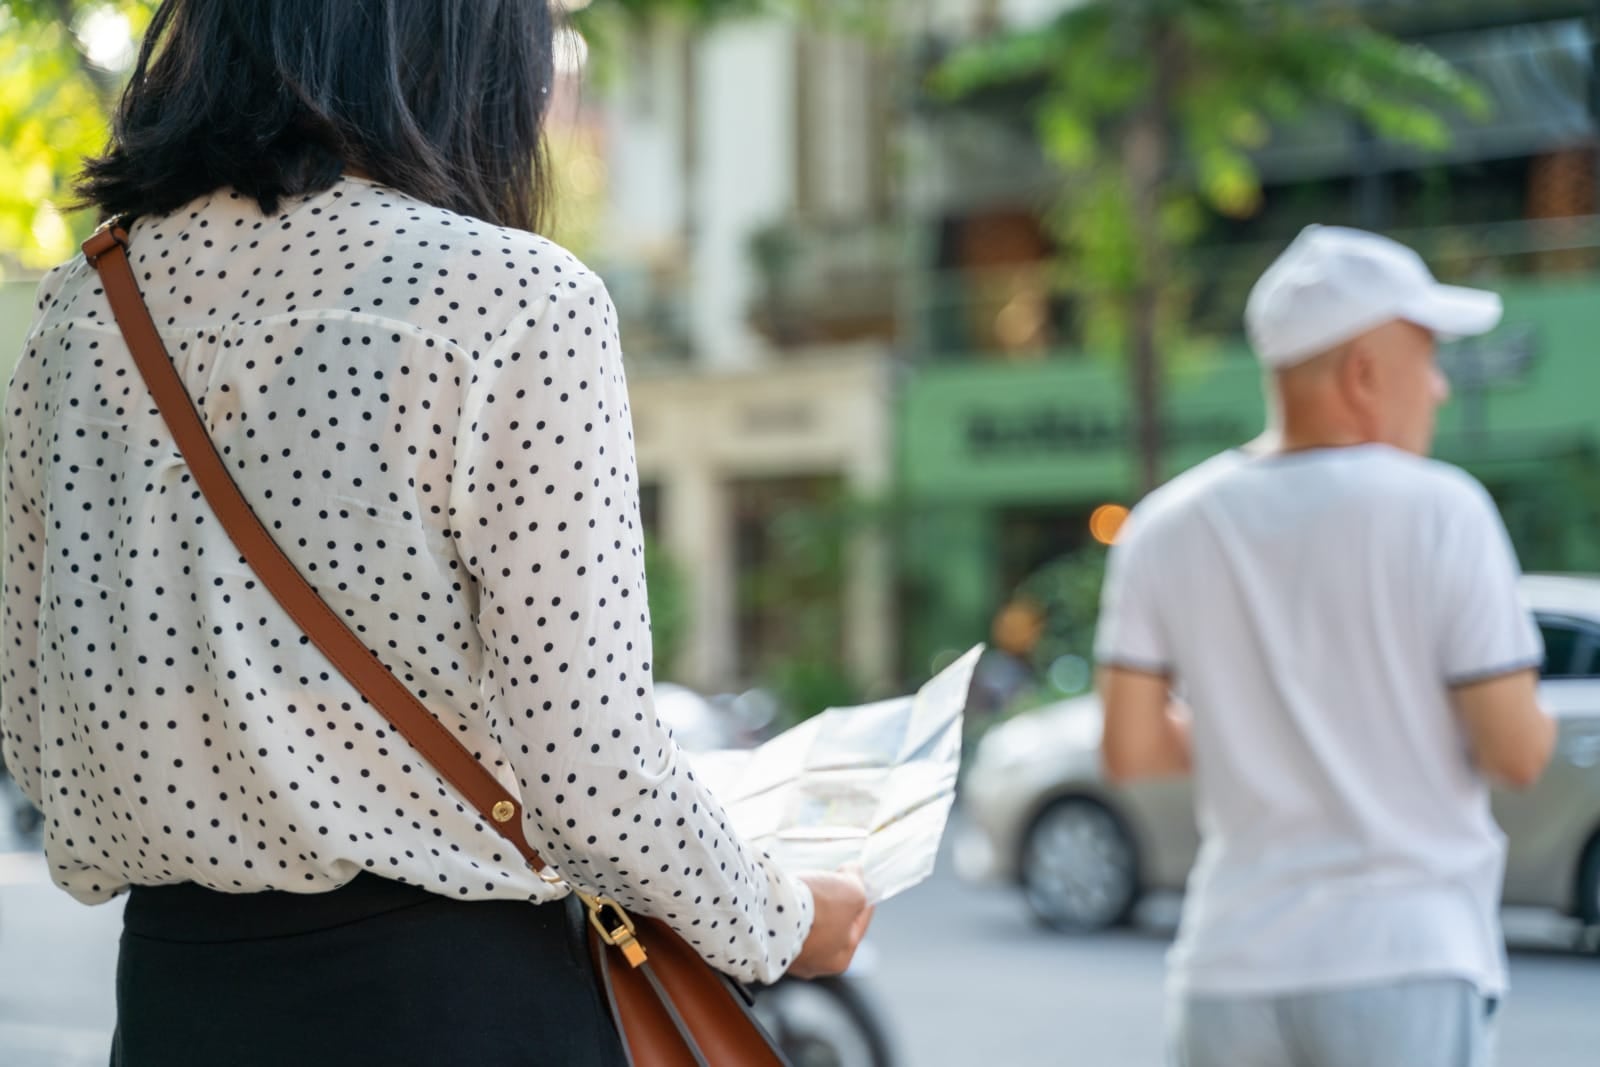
(998, 61)
(1067, 134)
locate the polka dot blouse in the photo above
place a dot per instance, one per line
(430, 415)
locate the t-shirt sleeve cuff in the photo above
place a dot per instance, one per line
(1485, 674)
(1136, 664)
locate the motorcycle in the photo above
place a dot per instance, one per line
(821, 1022)
(825, 1022)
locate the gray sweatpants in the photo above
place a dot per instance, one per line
(1423, 1023)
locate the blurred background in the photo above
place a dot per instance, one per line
(918, 298)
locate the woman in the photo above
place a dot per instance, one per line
(333, 215)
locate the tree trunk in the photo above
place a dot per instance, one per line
(1145, 151)
(1145, 374)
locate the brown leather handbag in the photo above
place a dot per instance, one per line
(671, 1007)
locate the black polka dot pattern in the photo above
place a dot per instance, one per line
(430, 415)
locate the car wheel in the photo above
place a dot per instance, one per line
(1079, 866)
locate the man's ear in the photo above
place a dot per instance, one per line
(1359, 384)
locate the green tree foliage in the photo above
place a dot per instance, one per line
(1067, 592)
(59, 75)
(800, 590)
(669, 609)
(1151, 109)
(1554, 518)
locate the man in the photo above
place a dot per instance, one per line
(1339, 617)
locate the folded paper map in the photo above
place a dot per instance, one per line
(869, 785)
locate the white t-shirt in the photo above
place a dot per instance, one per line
(1313, 610)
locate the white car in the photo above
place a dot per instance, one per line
(1038, 813)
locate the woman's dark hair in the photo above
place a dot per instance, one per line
(441, 99)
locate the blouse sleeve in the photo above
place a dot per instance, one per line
(545, 507)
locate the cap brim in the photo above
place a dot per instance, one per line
(1453, 312)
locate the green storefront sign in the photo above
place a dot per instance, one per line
(1057, 430)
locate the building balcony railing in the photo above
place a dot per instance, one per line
(1027, 312)
(830, 283)
(810, 286)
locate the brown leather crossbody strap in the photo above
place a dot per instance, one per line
(106, 251)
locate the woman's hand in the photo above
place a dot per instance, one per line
(841, 915)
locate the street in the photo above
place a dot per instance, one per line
(963, 974)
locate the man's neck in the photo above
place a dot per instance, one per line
(1318, 442)
(1276, 441)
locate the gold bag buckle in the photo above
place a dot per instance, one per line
(620, 934)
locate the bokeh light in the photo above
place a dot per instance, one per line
(1106, 522)
(107, 38)
(1070, 674)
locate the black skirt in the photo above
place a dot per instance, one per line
(372, 973)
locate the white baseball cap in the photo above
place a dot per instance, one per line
(1334, 284)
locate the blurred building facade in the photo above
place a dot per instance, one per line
(751, 244)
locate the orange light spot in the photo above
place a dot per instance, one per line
(1106, 522)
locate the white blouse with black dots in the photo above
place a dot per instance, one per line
(430, 414)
